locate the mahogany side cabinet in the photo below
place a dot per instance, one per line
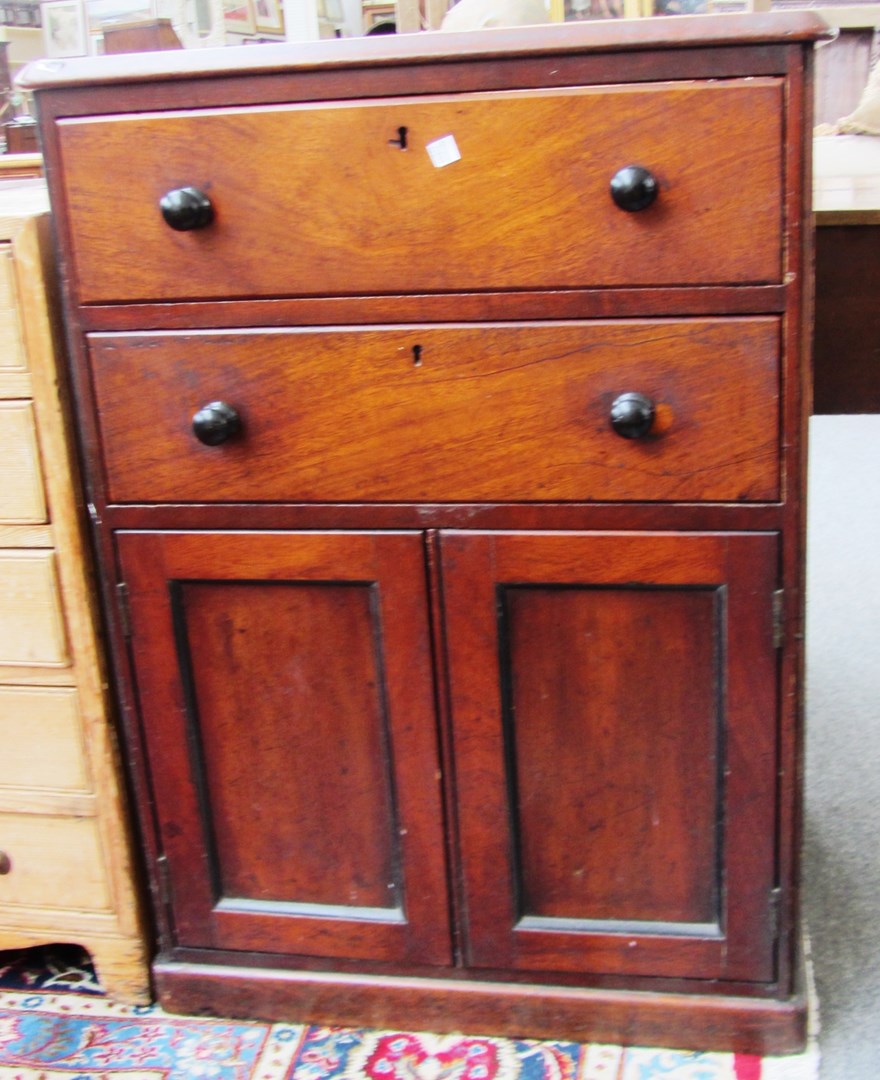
(442, 400)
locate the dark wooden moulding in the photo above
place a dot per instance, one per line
(407, 848)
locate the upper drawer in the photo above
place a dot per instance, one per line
(498, 413)
(490, 191)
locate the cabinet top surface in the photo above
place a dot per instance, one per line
(615, 35)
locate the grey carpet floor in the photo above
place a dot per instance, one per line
(842, 826)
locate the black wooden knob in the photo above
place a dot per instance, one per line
(633, 188)
(186, 208)
(215, 423)
(632, 415)
(5, 863)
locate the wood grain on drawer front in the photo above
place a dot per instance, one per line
(322, 200)
(493, 413)
(54, 862)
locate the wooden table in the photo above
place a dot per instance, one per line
(846, 198)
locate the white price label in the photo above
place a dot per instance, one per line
(443, 151)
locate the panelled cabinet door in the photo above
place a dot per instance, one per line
(614, 701)
(288, 708)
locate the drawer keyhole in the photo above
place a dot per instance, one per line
(401, 138)
(5, 863)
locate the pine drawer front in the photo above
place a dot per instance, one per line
(22, 500)
(506, 190)
(42, 716)
(55, 857)
(31, 622)
(463, 413)
(12, 354)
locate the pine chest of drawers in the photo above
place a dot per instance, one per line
(65, 840)
(443, 399)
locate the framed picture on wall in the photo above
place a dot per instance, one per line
(269, 16)
(238, 16)
(588, 10)
(376, 14)
(65, 32)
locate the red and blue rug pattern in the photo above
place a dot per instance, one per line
(55, 1024)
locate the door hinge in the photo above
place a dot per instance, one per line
(773, 910)
(124, 608)
(778, 618)
(163, 880)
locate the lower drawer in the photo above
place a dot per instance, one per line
(497, 413)
(51, 862)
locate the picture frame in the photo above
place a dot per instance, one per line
(330, 10)
(101, 13)
(269, 16)
(65, 30)
(376, 13)
(590, 10)
(198, 23)
(238, 16)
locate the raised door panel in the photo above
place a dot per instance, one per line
(498, 190)
(614, 710)
(286, 693)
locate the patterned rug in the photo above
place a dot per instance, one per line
(55, 1024)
